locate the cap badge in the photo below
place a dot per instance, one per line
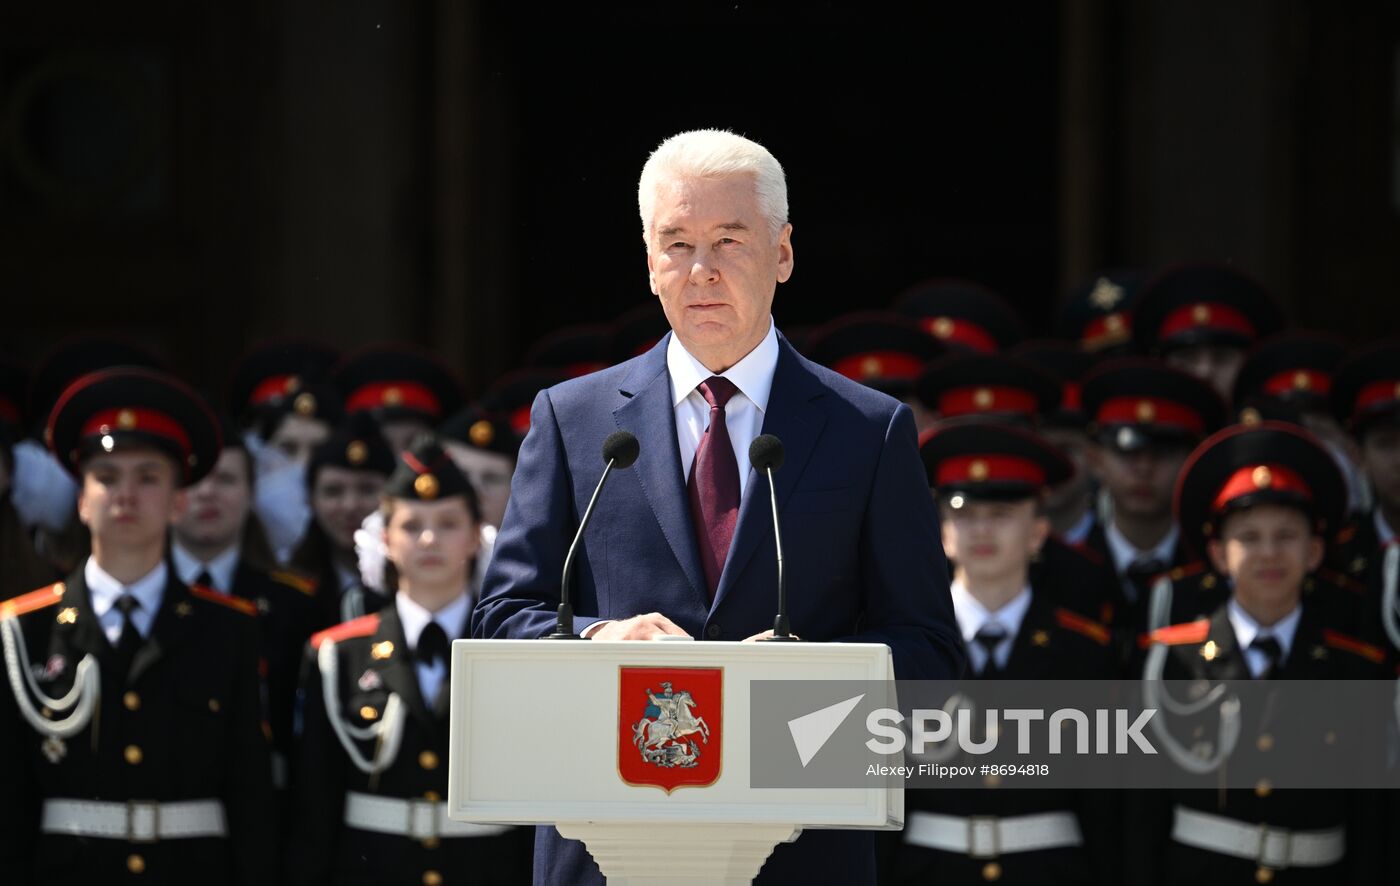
(1146, 411)
(392, 396)
(942, 327)
(382, 650)
(983, 398)
(126, 419)
(1106, 294)
(305, 403)
(870, 367)
(1302, 381)
(978, 470)
(481, 433)
(1200, 314)
(1113, 322)
(426, 486)
(67, 616)
(356, 452)
(1263, 477)
(1249, 416)
(1040, 638)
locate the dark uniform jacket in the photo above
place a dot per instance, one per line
(1051, 643)
(373, 661)
(1130, 612)
(1213, 654)
(1356, 558)
(183, 725)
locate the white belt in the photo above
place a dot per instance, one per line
(1271, 847)
(138, 821)
(987, 836)
(416, 819)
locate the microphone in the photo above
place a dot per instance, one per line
(620, 450)
(766, 456)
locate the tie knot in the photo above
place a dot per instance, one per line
(1270, 646)
(717, 390)
(432, 644)
(989, 636)
(1149, 567)
(127, 603)
(204, 579)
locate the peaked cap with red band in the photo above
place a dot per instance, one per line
(1097, 316)
(511, 396)
(425, 472)
(285, 375)
(1203, 304)
(478, 428)
(76, 357)
(1268, 463)
(354, 445)
(1068, 365)
(574, 350)
(998, 386)
(1366, 389)
(1295, 367)
(987, 461)
(396, 383)
(879, 349)
(113, 410)
(1133, 402)
(964, 315)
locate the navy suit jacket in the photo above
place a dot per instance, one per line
(860, 533)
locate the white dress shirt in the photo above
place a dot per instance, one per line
(104, 590)
(743, 414)
(451, 618)
(1247, 630)
(972, 617)
(221, 568)
(1125, 554)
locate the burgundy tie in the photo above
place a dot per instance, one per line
(714, 484)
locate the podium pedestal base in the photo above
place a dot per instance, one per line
(641, 854)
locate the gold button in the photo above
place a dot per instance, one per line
(432, 796)
(431, 842)
(432, 878)
(1208, 582)
(1265, 742)
(428, 760)
(991, 871)
(214, 705)
(368, 713)
(1264, 875)
(132, 754)
(135, 863)
(132, 701)
(1264, 788)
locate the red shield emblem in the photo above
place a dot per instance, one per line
(670, 726)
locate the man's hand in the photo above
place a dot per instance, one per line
(765, 635)
(638, 627)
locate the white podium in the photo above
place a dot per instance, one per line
(634, 746)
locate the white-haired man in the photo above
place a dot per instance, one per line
(675, 546)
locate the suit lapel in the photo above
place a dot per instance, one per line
(793, 419)
(397, 670)
(650, 414)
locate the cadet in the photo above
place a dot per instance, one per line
(881, 350)
(1259, 501)
(345, 480)
(484, 448)
(963, 315)
(990, 482)
(407, 390)
(1098, 316)
(372, 778)
(131, 715)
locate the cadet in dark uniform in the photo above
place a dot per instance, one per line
(964, 315)
(1260, 501)
(1097, 317)
(1202, 319)
(130, 717)
(989, 481)
(881, 350)
(484, 448)
(206, 550)
(345, 480)
(372, 779)
(406, 389)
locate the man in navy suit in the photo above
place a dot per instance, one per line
(682, 542)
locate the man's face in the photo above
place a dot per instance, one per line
(489, 474)
(715, 265)
(341, 499)
(130, 498)
(1266, 551)
(1216, 364)
(992, 539)
(1140, 483)
(1380, 459)
(297, 436)
(218, 504)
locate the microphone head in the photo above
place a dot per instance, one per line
(766, 451)
(621, 448)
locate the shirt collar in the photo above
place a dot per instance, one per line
(104, 589)
(221, 568)
(1383, 530)
(972, 615)
(415, 617)
(1246, 628)
(753, 375)
(1125, 554)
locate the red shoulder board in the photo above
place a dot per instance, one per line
(293, 580)
(237, 604)
(1188, 570)
(356, 627)
(32, 601)
(1073, 621)
(1179, 635)
(1088, 553)
(1345, 534)
(1373, 654)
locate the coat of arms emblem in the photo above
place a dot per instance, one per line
(669, 726)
